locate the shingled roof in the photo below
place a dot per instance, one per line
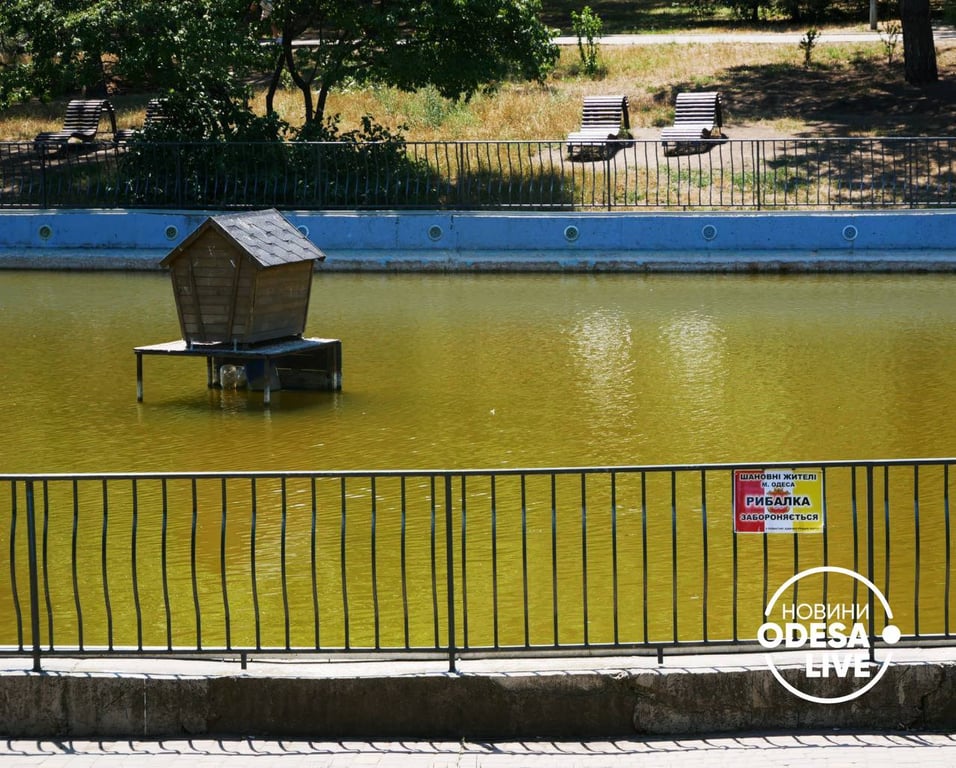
(267, 236)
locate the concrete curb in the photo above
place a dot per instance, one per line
(565, 705)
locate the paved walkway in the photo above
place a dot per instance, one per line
(941, 34)
(897, 750)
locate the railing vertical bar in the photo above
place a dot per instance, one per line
(283, 560)
(433, 533)
(404, 561)
(856, 534)
(614, 564)
(164, 564)
(734, 566)
(450, 574)
(705, 551)
(134, 542)
(917, 551)
(870, 552)
(886, 533)
(644, 569)
(14, 590)
(555, 610)
(104, 565)
(223, 560)
(796, 564)
(826, 536)
(343, 560)
(34, 577)
(584, 558)
(194, 578)
(254, 518)
(314, 566)
(524, 559)
(674, 569)
(373, 556)
(948, 577)
(46, 565)
(464, 565)
(765, 541)
(494, 562)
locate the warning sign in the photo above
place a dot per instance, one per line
(778, 501)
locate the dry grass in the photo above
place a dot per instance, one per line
(849, 90)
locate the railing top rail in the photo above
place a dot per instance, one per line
(500, 471)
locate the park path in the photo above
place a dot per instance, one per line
(943, 35)
(809, 750)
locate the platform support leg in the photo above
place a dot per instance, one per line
(139, 378)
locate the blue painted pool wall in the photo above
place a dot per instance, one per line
(388, 237)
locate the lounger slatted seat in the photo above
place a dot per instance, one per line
(603, 118)
(697, 117)
(155, 115)
(81, 122)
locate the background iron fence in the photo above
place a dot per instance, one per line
(737, 174)
(641, 560)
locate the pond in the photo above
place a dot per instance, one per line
(466, 371)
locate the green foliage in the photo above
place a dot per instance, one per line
(366, 166)
(703, 9)
(202, 49)
(750, 10)
(321, 167)
(794, 10)
(807, 43)
(587, 26)
(890, 37)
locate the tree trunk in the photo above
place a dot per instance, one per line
(919, 50)
(274, 83)
(304, 86)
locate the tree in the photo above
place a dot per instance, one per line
(51, 47)
(457, 46)
(199, 53)
(919, 50)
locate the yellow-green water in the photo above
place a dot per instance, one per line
(493, 371)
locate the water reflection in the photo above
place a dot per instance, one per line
(694, 347)
(601, 353)
(495, 370)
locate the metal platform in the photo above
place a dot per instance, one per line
(293, 363)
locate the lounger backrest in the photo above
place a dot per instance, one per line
(83, 116)
(154, 113)
(601, 111)
(703, 107)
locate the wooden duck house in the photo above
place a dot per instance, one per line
(243, 279)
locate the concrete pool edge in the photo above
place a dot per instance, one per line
(489, 700)
(445, 241)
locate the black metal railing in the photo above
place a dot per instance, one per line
(758, 174)
(572, 560)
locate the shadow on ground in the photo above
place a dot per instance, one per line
(841, 99)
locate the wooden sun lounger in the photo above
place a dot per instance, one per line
(603, 118)
(697, 117)
(81, 122)
(154, 115)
